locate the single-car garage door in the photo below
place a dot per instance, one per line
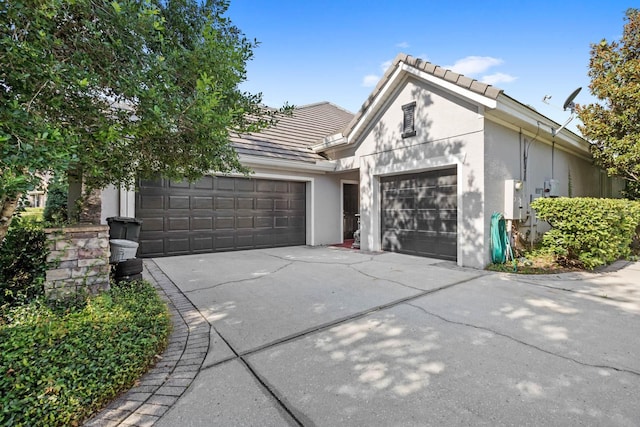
(420, 213)
(219, 214)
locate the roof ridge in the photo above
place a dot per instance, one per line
(316, 104)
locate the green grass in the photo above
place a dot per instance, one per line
(58, 365)
(35, 214)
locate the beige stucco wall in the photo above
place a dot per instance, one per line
(504, 147)
(449, 133)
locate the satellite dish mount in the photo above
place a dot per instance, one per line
(568, 105)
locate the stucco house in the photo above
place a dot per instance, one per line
(427, 160)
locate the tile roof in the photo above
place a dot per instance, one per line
(292, 136)
(427, 67)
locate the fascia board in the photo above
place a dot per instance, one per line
(451, 87)
(526, 117)
(373, 108)
(329, 142)
(275, 163)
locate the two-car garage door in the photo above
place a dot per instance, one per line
(419, 213)
(219, 214)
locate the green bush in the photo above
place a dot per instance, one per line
(23, 265)
(589, 231)
(55, 209)
(59, 365)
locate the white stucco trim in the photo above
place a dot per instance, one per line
(127, 203)
(341, 212)
(421, 165)
(449, 86)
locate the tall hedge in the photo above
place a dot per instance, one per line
(589, 231)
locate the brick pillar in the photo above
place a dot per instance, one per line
(78, 260)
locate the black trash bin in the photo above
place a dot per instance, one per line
(121, 227)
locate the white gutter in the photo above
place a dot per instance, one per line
(330, 141)
(275, 163)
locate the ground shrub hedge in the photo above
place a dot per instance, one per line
(59, 364)
(587, 231)
(23, 266)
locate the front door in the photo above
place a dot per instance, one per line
(350, 209)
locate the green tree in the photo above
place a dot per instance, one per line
(115, 90)
(613, 126)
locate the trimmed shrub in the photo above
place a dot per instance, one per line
(60, 364)
(588, 231)
(23, 265)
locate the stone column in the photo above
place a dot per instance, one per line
(78, 260)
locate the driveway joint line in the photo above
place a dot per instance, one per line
(236, 281)
(269, 390)
(501, 334)
(342, 320)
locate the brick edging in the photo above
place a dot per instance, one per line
(162, 386)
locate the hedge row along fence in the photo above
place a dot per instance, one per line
(589, 231)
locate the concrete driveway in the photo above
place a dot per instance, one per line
(327, 336)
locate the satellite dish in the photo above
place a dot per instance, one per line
(569, 102)
(570, 105)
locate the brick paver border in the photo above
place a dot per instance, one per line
(174, 372)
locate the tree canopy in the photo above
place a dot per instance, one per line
(116, 90)
(613, 124)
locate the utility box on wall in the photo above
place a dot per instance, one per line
(513, 199)
(551, 188)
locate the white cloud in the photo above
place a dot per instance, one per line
(495, 78)
(385, 65)
(403, 45)
(370, 80)
(474, 64)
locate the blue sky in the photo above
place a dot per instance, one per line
(336, 51)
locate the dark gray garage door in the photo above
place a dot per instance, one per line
(219, 214)
(420, 214)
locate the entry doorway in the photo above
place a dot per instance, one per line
(350, 209)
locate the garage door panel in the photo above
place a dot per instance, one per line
(205, 183)
(244, 222)
(219, 214)
(179, 184)
(178, 246)
(264, 204)
(178, 202)
(224, 203)
(244, 203)
(419, 213)
(150, 201)
(178, 223)
(202, 202)
(201, 223)
(244, 185)
(225, 183)
(225, 223)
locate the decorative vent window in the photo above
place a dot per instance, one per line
(409, 120)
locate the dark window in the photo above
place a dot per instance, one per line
(409, 120)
